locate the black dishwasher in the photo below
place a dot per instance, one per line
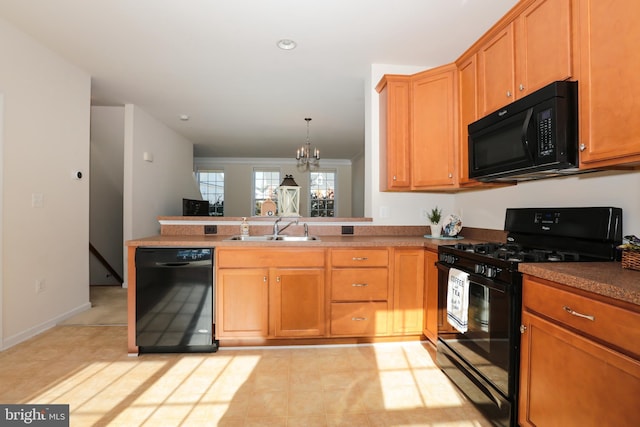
(174, 300)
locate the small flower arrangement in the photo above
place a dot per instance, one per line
(435, 215)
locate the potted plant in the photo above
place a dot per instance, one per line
(434, 219)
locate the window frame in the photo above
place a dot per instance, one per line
(335, 191)
(274, 196)
(212, 204)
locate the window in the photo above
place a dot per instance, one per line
(322, 187)
(265, 182)
(211, 185)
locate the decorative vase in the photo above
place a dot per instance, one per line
(436, 230)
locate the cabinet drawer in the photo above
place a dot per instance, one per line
(360, 257)
(359, 284)
(607, 322)
(359, 319)
(269, 257)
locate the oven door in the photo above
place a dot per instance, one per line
(490, 345)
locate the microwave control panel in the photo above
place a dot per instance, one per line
(545, 134)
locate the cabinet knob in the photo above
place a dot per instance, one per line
(521, 87)
(523, 329)
(278, 279)
(508, 94)
(583, 147)
(394, 178)
(358, 319)
(264, 279)
(450, 175)
(359, 285)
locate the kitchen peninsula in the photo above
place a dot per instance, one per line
(401, 254)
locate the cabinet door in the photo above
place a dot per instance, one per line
(434, 132)
(544, 45)
(609, 87)
(394, 133)
(297, 303)
(242, 302)
(496, 60)
(468, 86)
(430, 296)
(568, 380)
(408, 291)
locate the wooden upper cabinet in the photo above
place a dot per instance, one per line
(434, 128)
(496, 60)
(608, 83)
(528, 51)
(395, 168)
(544, 45)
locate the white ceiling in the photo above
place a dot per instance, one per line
(217, 61)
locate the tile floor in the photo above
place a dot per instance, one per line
(88, 368)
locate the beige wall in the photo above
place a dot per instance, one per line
(46, 137)
(238, 176)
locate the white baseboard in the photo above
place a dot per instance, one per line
(38, 329)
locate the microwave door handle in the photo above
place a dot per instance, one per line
(525, 129)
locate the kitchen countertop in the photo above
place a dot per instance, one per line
(608, 279)
(325, 241)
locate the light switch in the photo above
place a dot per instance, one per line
(37, 200)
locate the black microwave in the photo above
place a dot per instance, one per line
(532, 138)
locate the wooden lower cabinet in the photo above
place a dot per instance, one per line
(430, 329)
(360, 292)
(242, 303)
(272, 293)
(408, 290)
(569, 377)
(359, 319)
(297, 303)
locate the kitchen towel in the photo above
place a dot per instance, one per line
(458, 299)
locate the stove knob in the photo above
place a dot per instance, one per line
(491, 272)
(480, 268)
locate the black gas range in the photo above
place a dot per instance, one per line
(483, 359)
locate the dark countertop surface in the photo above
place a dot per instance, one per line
(608, 279)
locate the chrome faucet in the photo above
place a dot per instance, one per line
(277, 230)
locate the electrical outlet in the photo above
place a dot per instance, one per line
(40, 288)
(210, 229)
(347, 229)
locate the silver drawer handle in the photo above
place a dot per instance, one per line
(358, 258)
(359, 285)
(575, 313)
(358, 319)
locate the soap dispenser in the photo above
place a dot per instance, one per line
(244, 227)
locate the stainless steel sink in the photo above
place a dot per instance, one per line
(272, 238)
(251, 238)
(296, 238)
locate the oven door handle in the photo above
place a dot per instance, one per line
(476, 278)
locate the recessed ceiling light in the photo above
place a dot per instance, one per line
(184, 117)
(286, 44)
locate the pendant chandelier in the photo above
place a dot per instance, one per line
(305, 157)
